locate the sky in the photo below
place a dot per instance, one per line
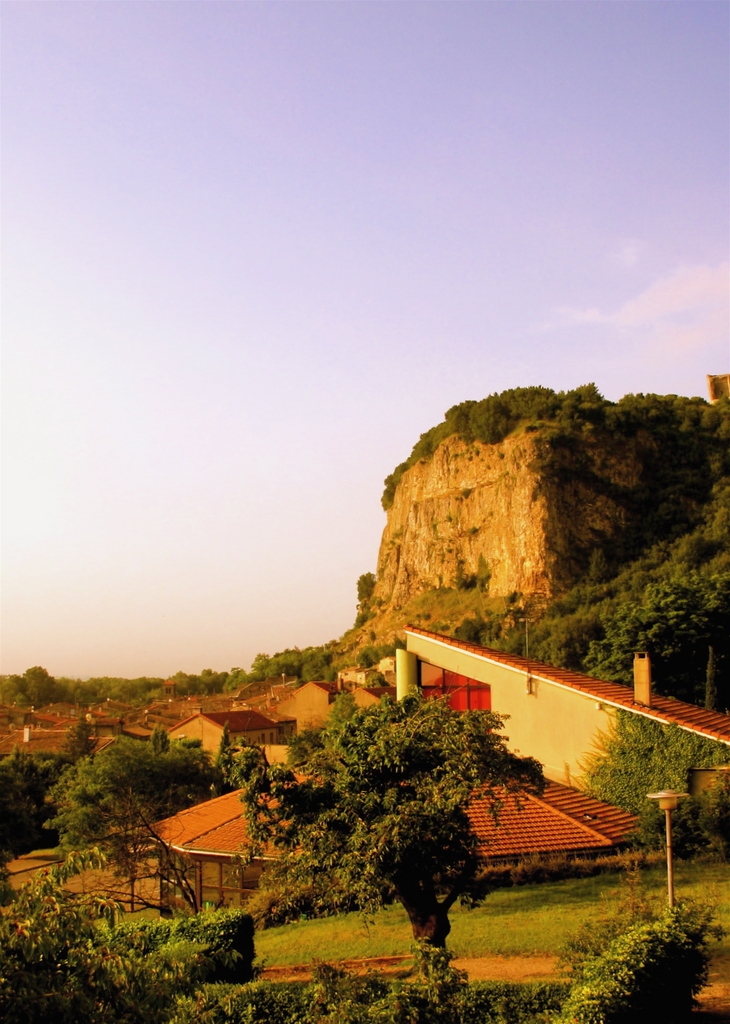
(251, 251)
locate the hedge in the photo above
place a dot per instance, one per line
(481, 1002)
(226, 934)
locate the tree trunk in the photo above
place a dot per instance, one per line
(429, 918)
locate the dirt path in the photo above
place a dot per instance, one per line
(498, 968)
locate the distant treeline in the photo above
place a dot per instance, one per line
(37, 687)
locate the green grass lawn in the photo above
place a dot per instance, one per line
(518, 921)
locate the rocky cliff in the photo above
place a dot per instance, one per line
(504, 513)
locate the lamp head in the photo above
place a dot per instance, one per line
(668, 799)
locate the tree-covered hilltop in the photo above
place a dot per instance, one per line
(682, 445)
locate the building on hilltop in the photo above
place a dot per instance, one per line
(718, 386)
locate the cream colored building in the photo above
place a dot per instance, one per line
(555, 715)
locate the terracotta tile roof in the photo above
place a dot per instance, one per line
(561, 821)
(216, 827)
(197, 821)
(242, 721)
(667, 710)
(52, 721)
(43, 741)
(138, 732)
(327, 687)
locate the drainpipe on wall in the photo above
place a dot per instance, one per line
(406, 673)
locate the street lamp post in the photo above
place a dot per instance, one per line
(668, 800)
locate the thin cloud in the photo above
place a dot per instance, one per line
(686, 310)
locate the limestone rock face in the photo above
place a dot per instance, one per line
(534, 530)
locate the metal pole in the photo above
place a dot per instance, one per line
(670, 865)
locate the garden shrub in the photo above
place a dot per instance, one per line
(494, 1002)
(260, 1002)
(226, 935)
(651, 972)
(438, 995)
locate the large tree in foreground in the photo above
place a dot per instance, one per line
(382, 807)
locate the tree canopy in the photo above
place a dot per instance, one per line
(114, 800)
(381, 806)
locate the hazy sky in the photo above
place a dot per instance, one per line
(252, 250)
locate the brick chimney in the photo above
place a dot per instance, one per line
(642, 678)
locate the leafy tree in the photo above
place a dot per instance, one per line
(224, 760)
(25, 781)
(365, 587)
(382, 806)
(40, 687)
(80, 740)
(675, 620)
(115, 800)
(711, 696)
(160, 740)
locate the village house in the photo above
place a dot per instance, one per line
(243, 726)
(556, 715)
(310, 705)
(211, 840)
(365, 697)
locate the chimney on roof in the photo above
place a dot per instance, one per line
(642, 678)
(26, 734)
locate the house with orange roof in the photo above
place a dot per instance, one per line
(365, 696)
(245, 726)
(555, 715)
(209, 842)
(561, 820)
(42, 741)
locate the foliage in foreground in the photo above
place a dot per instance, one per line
(64, 959)
(653, 971)
(438, 995)
(381, 807)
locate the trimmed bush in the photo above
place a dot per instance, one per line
(258, 1003)
(494, 1002)
(652, 972)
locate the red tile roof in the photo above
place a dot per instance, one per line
(667, 710)
(238, 721)
(216, 827)
(562, 820)
(197, 821)
(44, 741)
(327, 687)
